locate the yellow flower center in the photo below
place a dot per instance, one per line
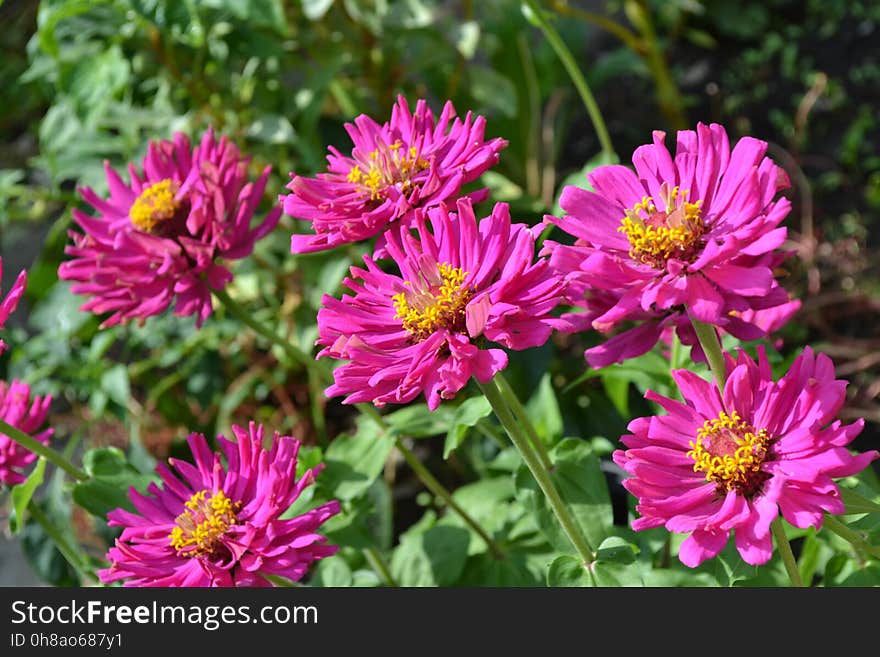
(155, 206)
(435, 303)
(730, 451)
(655, 235)
(388, 167)
(201, 526)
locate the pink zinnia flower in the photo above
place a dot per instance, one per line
(9, 303)
(461, 282)
(216, 524)
(733, 462)
(159, 238)
(20, 411)
(695, 233)
(410, 162)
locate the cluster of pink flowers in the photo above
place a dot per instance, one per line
(732, 460)
(690, 235)
(422, 330)
(26, 414)
(696, 236)
(410, 162)
(157, 240)
(17, 408)
(216, 524)
(693, 235)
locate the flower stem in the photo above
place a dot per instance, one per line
(69, 554)
(377, 563)
(314, 369)
(542, 476)
(521, 416)
(431, 482)
(438, 489)
(712, 348)
(576, 76)
(294, 353)
(38, 448)
(851, 536)
(785, 552)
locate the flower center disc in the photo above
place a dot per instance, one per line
(156, 207)
(731, 453)
(387, 167)
(200, 528)
(436, 302)
(655, 235)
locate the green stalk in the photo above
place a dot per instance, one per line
(576, 76)
(521, 416)
(668, 95)
(296, 355)
(542, 476)
(712, 348)
(440, 491)
(377, 563)
(851, 536)
(431, 482)
(784, 547)
(70, 555)
(292, 351)
(38, 448)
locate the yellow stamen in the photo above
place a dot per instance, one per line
(656, 236)
(200, 527)
(730, 451)
(438, 306)
(154, 206)
(388, 168)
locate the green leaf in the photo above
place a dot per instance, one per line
(668, 577)
(332, 572)
(465, 416)
(484, 570)
(615, 549)
(615, 565)
(314, 10)
(45, 559)
(418, 421)
(22, 494)
(868, 576)
(855, 503)
(543, 410)
(272, 129)
(110, 477)
(568, 571)
(617, 390)
(614, 574)
(493, 90)
(583, 489)
(115, 383)
(435, 557)
(353, 462)
(729, 567)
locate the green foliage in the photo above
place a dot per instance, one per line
(94, 82)
(110, 477)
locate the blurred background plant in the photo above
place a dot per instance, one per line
(89, 81)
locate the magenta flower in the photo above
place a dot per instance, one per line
(734, 462)
(158, 239)
(461, 282)
(216, 525)
(17, 409)
(410, 162)
(9, 303)
(695, 233)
